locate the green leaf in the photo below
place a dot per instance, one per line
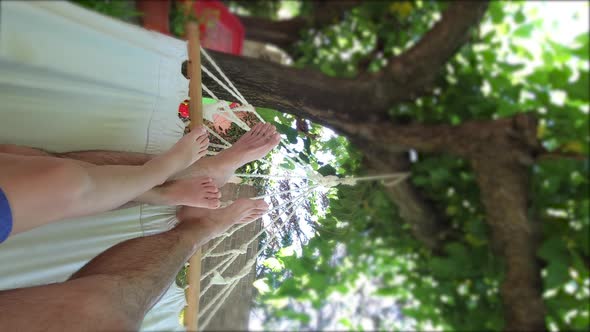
(307, 145)
(580, 88)
(287, 164)
(292, 314)
(303, 157)
(327, 170)
(346, 322)
(524, 31)
(262, 286)
(496, 12)
(274, 264)
(519, 17)
(286, 251)
(289, 131)
(557, 275)
(318, 281)
(267, 114)
(386, 291)
(582, 51)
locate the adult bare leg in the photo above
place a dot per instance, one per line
(253, 145)
(114, 291)
(198, 191)
(42, 189)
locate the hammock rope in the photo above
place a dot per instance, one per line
(247, 267)
(312, 181)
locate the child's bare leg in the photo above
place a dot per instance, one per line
(41, 190)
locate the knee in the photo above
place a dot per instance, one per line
(100, 309)
(102, 306)
(72, 180)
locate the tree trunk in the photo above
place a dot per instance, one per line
(501, 164)
(503, 185)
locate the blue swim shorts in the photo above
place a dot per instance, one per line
(5, 217)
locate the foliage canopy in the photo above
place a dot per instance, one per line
(363, 269)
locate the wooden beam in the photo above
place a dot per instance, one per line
(196, 117)
(194, 71)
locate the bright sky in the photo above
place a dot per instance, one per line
(564, 20)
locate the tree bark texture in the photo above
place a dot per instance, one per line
(331, 101)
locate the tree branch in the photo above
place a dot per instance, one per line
(467, 140)
(282, 34)
(417, 68)
(302, 92)
(426, 224)
(546, 155)
(332, 101)
(285, 33)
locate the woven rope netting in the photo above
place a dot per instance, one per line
(281, 210)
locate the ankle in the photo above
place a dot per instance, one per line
(161, 168)
(227, 158)
(196, 231)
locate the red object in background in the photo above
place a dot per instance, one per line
(220, 30)
(183, 110)
(154, 15)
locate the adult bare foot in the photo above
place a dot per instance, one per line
(190, 148)
(241, 211)
(253, 145)
(198, 192)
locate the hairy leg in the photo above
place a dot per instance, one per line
(44, 189)
(77, 305)
(147, 266)
(115, 290)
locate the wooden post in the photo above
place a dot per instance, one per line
(191, 314)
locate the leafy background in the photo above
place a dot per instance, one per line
(359, 267)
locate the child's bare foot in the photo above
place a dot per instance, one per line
(195, 192)
(253, 145)
(190, 148)
(241, 211)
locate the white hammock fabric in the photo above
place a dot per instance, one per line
(52, 98)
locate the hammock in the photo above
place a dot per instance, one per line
(55, 98)
(127, 104)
